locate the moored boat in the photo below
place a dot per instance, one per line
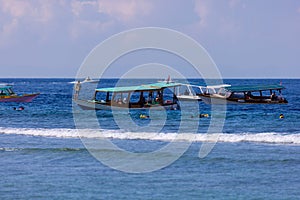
(249, 94)
(147, 96)
(7, 95)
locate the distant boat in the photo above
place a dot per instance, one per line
(249, 94)
(86, 80)
(8, 95)
(167, 80)
(146, 96)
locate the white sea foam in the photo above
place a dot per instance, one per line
(271, 137)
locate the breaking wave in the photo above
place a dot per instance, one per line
(270, 137)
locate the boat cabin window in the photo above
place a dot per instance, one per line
(120, 98)
(188, 90)
(253, 94)
(148, 97)
(222, 91)
(101, 96)
(184, 90)
(211, 90)
(266, 94)
(4, 92)
(238, 95)
(196, 91)
(10, 91)
(135, 97)
(168, 95)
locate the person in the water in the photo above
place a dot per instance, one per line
(19, 109)
(144, 116)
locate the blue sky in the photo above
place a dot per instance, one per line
(245, 38)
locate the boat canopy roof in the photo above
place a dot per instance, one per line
(4, 86)
(217, 86)
(146, 87)
(253, 88)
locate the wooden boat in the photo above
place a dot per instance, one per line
(154, 95)
(249, 94)
(8, 95)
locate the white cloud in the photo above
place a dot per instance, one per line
(23, 13)
(39, 10)
(79, 16)
(79, 6)
(16, 8)
(202, 10)
(86, 19)
(101, 15)
(216, 18)
(45, 12)
(124, 11)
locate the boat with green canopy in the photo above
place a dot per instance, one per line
(248, 94)
(8, 95)
(155, 95)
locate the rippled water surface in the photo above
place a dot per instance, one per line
(42, 156)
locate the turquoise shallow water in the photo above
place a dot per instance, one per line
(257, 156)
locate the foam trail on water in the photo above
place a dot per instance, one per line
(271, 137)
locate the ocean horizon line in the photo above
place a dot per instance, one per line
(235, 78)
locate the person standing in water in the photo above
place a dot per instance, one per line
(77, 89)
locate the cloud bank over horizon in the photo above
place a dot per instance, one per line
(51, 38)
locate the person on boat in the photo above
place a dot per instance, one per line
(186, 92)
(158, 98)
(77, 89)
(142, 101)
(119, 101)
(206, 92)
(248, 95)
(273, 96)
(149, 100)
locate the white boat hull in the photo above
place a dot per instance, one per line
(188, 98)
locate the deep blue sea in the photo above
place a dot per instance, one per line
(45, 155)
